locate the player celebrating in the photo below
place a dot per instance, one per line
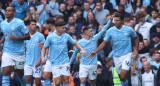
(88, 43)
(15, 33)
(57, 43)
(122, 47)
(33, 65)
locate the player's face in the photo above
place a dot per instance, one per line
(90, 32)
(9, 12)
(32, 26)
(61, 29)
(117, 21)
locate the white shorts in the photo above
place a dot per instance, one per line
(88, 70)
(9, 60)
(60, 70)
(32, 70)
(123, 62)
(48, 66)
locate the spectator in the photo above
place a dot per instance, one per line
(158, 5)
(136, 6)
(34, 2)
(153, 28)
(104, 76)
(146, 3)
(54, 8)
(144, 11)
(70, 7)
(121, 9)
(149, 76)
(22, 10)
(62, 9)
(151, 6)
(143, 27)
(80, 15)
(32, 12)
(92, 4)
(86, 9)
(71, 30)
(108, 6)
(100, 13)
(157, 61)
(43, 12)
(152, 18)
(156, 41)
(152, 53)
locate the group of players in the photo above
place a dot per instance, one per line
(53, 52)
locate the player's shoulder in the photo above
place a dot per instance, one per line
(81, 41)
(3, 22)
(127, 27)
(19, 21)
(111, 28)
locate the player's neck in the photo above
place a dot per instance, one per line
(119, 27)
(86, 37)
(10, 19)
(32, 32)
(58, 33)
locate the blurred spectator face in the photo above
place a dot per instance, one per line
(158, 29)
(146, 66)
(117, 21)
(123, 1)
(157, 57)
(156, 39)
(127, 23)
(154, 14)
(143, 11)
(133, 22)
(110, 63)
(20, 1)
(90, 16)
(62, 7)
(142, 19)
(157, 20)
(146, 43)
(71, 30)
(32, 10)
(99, 6)
(71, 19)
(86, 6)
(90, 1)
(144, 60)
(103, 1)
(120, 8)
(75, 16)
(79, 13)
(138, 3)
(70, 2)
(9, 12)
(141, 46)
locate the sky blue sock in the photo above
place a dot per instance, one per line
(82, 84)
(28, 84)
(5, 81)
(47, 83)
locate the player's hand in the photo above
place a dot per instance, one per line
(38, 63)
(43, 60)
(83, 52)
(11, 37)
(92, 55)
(40, 45)
(111, 17)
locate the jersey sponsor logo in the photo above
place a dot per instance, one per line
(65, 40)
(36, 40)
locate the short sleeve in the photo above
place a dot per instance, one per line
(133, 33)
(42, 39)
(107, 36)
(70, 39)
(47, 42)
(23, 28)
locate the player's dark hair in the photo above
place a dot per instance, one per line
(119, 15)
(59, 23)
(31, 21)
(14, 10)
(50, 21)
(86, 28)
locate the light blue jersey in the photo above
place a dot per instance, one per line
(155, 64)
(121, 40)
(146, 2)
(43, 15)
(56, 7)
(89, 46)
(58, 48)
(33, 52)
(17, 28)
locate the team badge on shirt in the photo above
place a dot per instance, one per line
(12, 28)
(65, 40)
(36, 40)
(125, 33)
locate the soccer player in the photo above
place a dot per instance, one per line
(33, 66)
(120, 35)
(88, 67)
(50, 24)
(15, 32)
(57, 43)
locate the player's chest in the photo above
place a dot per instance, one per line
(120, 34)
(57, 41)
(8, 28)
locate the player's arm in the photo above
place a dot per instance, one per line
(43, 52)
(2, 40)
(79, 47)
(25, 37)
(74, 55)
(27, 17)
(101, 46)
(53, 5)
